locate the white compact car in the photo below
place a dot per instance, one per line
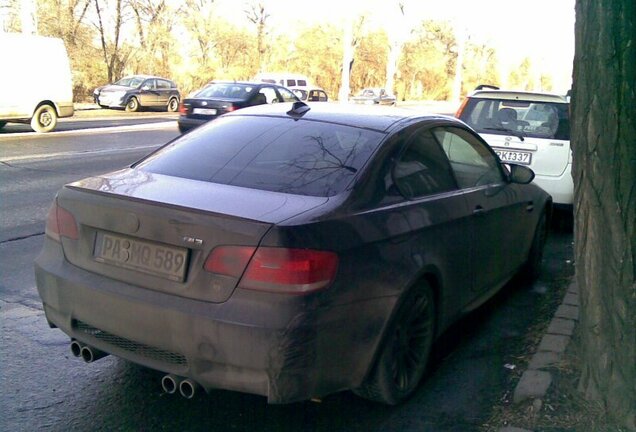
(526, 128)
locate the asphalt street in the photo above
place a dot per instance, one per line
(44, 388)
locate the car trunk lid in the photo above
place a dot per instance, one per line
(156, 231)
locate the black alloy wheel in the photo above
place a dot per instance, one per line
(406, 349)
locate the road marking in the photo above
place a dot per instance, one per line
(77, 153)
(94, 131)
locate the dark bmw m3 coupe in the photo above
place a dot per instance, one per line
(289, 251)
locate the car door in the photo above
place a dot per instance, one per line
(432, 226)
(498, 213)
(148, 93)
(163, 92)
(286, 95)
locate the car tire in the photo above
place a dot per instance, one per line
(132, 105)
(44, 119)
(532, 268)
(173, 105)
(404, 353)
(2, 124)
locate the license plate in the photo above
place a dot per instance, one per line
(147, 257)
(520, 157)
(205, 111)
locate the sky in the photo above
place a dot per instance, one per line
(542, 30)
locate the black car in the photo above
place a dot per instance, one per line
(218, 98)
(289, 251)
(139, 91)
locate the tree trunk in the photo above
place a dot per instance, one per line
(604, 172)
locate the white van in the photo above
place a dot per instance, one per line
(37, 86)
(289, 80)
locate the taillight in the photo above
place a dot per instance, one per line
(231, 108)
(229, 260)
(278, 270)
(461, 108)
(60, 223)
(182, 108)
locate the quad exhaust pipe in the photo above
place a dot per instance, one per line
(172, 383)
(88, 353)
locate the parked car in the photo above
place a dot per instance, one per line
(290, 251)
(531, 129)
(374, 96)
(220, 97)
(37, 84)
(139, 91)
(311, 94)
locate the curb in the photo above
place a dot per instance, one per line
(535, 381)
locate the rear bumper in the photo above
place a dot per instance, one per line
(186, 123)
(561, 188)
(286, 351)
(65, 109)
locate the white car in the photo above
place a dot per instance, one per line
(531, 129)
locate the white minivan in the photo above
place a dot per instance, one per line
(37, 85)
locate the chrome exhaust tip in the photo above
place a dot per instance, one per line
(188, 388)
(90, 354)
(170, 383)
(76, 348)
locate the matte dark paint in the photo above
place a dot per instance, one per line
(286, 348)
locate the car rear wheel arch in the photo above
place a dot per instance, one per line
(428, 280)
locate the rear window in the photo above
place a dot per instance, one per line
(532, 119)
(225, 91)
(300, 157)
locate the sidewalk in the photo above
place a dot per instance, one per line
(537, 378)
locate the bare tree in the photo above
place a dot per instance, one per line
(114, 57)
(397, 37)
(257, 15)
(604, 172)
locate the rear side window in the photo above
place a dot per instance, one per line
(422, 169)
(302, 83)
(276, 154)
(548, 120)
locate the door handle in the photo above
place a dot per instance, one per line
(479, 210)
(530, 206)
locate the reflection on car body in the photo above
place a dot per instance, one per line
(290, 251)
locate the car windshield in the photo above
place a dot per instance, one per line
(225, 91)
(526, 118)
(287, 155)
(130, 82)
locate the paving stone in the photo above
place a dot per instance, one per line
(544, 359)
(533, 384)
(571, 299)
(554, 343)
(573, 288)
(567, 311)
(561, 326)
(513, 429)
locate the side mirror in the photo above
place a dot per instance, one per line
(520, 174)
(146, 87)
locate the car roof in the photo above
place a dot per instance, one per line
(518, 95)
(377, 118)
